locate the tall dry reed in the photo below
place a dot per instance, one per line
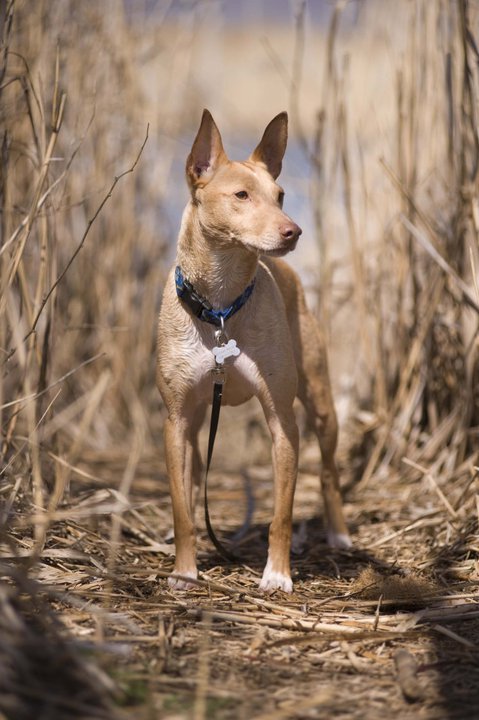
(411, 270)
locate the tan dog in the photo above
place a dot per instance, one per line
(232, 231)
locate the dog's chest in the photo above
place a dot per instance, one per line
(240, 372)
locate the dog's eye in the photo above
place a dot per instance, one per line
(280, 198)
(242, 195)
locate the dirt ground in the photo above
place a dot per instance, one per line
(391, 627)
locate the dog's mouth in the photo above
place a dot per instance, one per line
(279, 251)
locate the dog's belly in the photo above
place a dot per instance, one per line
(240, 385)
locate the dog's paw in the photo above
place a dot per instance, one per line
(339, 541)
(273, 580)
(179, 580)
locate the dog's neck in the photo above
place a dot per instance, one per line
(218, 272)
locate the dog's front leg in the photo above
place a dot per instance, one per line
(284, 432)
(179, 460)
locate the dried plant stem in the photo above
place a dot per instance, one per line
(199, 710)
(85, 234)
(26, 229)
(443, 264)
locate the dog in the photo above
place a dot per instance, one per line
(232, 236)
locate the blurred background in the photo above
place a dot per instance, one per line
(382, 159)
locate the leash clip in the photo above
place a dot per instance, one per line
(219, 375)
(220, 334)
(218, 372)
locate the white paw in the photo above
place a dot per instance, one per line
(340, 541)
(179, 581)
(273, 580)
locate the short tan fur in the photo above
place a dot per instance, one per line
(234, 230)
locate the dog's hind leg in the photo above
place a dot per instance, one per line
(314, 391)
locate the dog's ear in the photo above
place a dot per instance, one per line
(272, 147)
(207, 153)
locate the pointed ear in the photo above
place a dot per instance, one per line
(272, 147)
(207, 153)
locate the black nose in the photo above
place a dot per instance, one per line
(290, 231)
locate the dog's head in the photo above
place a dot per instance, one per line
(241, 202)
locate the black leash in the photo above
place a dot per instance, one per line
(215, 416)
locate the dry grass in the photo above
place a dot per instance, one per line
(330, 647)
(391, 627)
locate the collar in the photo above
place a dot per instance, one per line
(200, 306)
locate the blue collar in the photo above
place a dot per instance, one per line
(200, 307)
